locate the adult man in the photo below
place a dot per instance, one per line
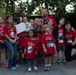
(17, 15)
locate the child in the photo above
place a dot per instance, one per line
(40, 59)
(70, 42)
(22, 36)
(58, 33)
(31, 47)
(10, 34)
(40, 23)
(50, 24)
(2, 43)
(48, 43)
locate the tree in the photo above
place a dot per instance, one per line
(56, 6)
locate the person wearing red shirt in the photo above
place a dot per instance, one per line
(10, 34)
(47, 17)
(70, 42)
(31, 47)
(50, 24)
(58, 33)
(22, 36)
(2, 43)
(48, 43)
(40, 59)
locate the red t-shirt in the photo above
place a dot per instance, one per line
(50, 17)
(69, 38)
(9, 31)
(31, 48)
(21, 38)
(61, 41)
(1, 33)
(48, 40)
(38, 38)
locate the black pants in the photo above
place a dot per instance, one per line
(68, 54)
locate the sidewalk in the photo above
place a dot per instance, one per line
(68, 69)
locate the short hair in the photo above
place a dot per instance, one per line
(68, 22)
(17, 6)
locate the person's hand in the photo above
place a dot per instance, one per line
(72, 29)
(13, 41)
(1, 41)
(45, 50)
(73, 43)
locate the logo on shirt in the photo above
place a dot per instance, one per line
(50, 43)
(30, 49)
(49, 38)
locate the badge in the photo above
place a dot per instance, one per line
(29, 49)
(69, 41)
(60, 41)
(12, 34)
(50, 44)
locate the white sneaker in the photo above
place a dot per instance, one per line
(29, 69)
(17, 66)
(35, 68)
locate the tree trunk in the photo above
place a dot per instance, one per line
(7, 6)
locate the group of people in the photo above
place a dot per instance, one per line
(39, 45)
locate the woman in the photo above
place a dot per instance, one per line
(47, 17)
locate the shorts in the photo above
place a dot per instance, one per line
(60, 48)
(2, 46)
(48, 55)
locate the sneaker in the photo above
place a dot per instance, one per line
(49, 68)
(58, 61)
(64, 61)
(45, 68)
(5, 64)
(17, 66)
(53, 62)
(13, 68)
(35, 68)
(29, 69)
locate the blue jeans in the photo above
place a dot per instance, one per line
(12, 48)
(31, 63)
(2, 46)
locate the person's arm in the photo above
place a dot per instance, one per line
(74, 35)
(7, 37)
(15, 39)
(2, 41)
(44, 48)
(55, 46)
(74, 42)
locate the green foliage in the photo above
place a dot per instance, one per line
(27, 8)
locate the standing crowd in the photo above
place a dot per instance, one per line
(39, 44)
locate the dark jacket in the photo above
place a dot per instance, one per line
(16, 17)
(55, 33)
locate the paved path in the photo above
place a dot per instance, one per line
(69, 69)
